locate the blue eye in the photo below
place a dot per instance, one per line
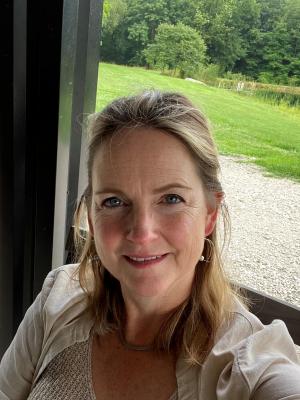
(173, 199)
(112, 202)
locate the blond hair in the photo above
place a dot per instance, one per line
(192, 326)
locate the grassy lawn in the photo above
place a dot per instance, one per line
(242, 125)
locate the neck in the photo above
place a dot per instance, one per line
(141, 329)
(145, 315)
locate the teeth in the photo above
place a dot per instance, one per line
(144, 259)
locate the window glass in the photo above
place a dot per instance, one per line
(230, 61)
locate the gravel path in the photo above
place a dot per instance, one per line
(264, 251)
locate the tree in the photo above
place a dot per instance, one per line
(141, 23)
(113, 14)
(130, 29)
(227, 27)
(113, 38)
(258, 38)
(271, 13)
(176, 47)
(182, 11)
(292, 18)
(276, 53)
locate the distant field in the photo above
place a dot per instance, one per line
(245, 126)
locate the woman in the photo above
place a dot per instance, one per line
(148, 312)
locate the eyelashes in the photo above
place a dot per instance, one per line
(116, 202)
(173, 199)
(112, 202)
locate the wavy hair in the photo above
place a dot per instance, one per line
(191, 327)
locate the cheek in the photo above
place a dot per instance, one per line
(107, 233)
(185, 230)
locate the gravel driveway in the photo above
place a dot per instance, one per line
(264, 252)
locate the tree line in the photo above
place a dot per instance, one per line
(259, 39)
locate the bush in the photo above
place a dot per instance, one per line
(236, 76)
(265, 77)
(177, 48)
(208, 74)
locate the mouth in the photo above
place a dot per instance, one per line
(146, 260)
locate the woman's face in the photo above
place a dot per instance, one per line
(149, 213)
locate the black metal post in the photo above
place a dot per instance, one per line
(29, 120)
(6, 173)
(78, 87)
(49, 57)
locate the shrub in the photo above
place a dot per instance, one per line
(177, 48)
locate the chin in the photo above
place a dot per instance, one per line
(147, 288)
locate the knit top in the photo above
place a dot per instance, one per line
(69, 375)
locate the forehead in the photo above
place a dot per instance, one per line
(143, 153)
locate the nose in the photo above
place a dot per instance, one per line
(141, 226)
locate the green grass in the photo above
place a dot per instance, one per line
(269, 135)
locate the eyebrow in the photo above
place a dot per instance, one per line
(172, 186)
(155, 191)
(108, 190)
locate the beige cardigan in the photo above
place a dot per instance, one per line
(248, 361)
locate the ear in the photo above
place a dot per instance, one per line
(211, 220)
(212, 213)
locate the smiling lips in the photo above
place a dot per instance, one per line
(142, 262)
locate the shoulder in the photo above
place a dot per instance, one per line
(249, 357)
(61, 291)
(63, 299)
(64, 313)
(240, 325)
(61, 286)
(63, 274)
(56, 320)
(268, 361)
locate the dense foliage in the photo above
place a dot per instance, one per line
(256, 38)
(185, 54)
